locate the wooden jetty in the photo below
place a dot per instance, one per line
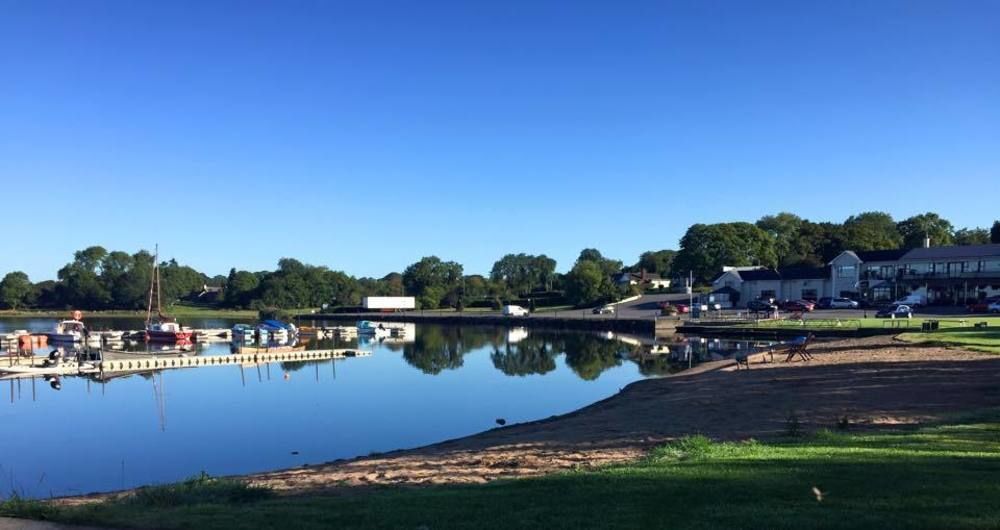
(155, 362)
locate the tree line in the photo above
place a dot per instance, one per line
(787, 240)
(98, 279)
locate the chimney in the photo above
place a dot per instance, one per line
(927, 241)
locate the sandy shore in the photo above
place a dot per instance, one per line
(874, 382)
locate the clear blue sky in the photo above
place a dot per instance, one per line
(365, 135)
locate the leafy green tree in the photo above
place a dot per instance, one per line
(15, 288)
(80, 282)
(871, 231)
(588, 284)
(995, 232)
(658, 261)
(705, 249)
(609, 266)
(241, 288)
(431, 279)
(522, 273)
(785, 229)
(930, 224)
(972, 236)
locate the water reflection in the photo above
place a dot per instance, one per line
(198, 419)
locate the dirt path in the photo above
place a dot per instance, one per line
(873, 382)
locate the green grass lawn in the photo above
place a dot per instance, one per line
(936, 477)
(957, 321)
(985, 340)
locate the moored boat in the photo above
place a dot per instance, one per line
(162, 328)
(68, 331)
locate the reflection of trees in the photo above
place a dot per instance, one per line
(438, 348)
(589, 356)
(532, 355)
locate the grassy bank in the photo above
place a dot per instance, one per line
(812, 324)
(984, 340)
(938, 477)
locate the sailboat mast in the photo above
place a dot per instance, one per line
(152, 285)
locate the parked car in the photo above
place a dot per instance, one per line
(912, 300)
(514, 311)
(843, 303)
(994, 307)
(761, 306)
(983, 306)
(895, 311)
(797, 305)
(668, 309)
(604, 310)
(824, 303)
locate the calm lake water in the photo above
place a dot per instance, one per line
(438, 383)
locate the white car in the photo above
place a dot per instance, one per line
(843, 303)
(993, 307)
(913, 300)
(604, 310)
(514, 311)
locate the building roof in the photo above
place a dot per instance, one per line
(881, 255)
(963, 251)
(726, 290)
(804, 273)
(759, 275)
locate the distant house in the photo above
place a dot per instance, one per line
(209, 294)
(646, 280)
(944, 275)
(737, 285)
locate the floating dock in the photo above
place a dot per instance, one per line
(155, 362)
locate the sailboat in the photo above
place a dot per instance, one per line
(162, 328)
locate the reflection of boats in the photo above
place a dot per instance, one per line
(385, 329)
(163, 329)
(367, 327)
(118, 355)
(68, 331)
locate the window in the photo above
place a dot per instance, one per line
(809, 294)
(845, 271)
(767, 293)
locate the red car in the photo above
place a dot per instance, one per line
(983, 306)
(798, 305)
(667, 307)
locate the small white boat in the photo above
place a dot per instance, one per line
(68, 331)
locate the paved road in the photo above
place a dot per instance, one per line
(648, 307)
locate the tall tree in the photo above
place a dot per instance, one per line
(995, 232)
(926, 225)
(871, 231)
(705, 249)
(972, 236)
(784, 227)
(15, 288)
(523, 273)
(589, 283)
(431, 279)
(658, 261)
